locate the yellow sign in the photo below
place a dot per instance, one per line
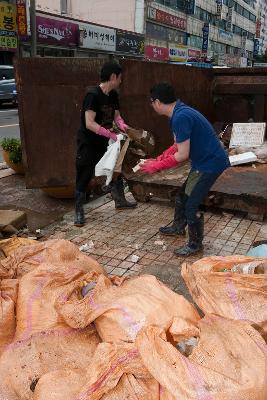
(8, 17)
(8, 42)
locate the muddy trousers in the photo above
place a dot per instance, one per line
(193, 192)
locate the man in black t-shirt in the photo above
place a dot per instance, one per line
(99, 109)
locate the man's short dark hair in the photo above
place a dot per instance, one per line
(109, 68)
(164, 92)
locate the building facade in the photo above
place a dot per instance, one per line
(123, 14)
(222, 30)
(261, 27)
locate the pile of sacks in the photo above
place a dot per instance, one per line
(68, 332)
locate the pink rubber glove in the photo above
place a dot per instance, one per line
(107, 133)
(170, 151)
(120, 123)
(152, 166)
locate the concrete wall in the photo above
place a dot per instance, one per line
(122, 14)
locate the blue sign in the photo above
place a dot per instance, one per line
(256, 47)
(205, 42)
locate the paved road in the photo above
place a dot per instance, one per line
(9, 123)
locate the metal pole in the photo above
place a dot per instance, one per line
(33, 29)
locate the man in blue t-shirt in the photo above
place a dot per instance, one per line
(195, 139)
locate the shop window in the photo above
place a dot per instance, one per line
(245, 13)
(252, 17)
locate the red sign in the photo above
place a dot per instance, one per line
(156, 53)
(194, 53)
(166, 18)
(258, 28)
(53, 31)
(21, 17)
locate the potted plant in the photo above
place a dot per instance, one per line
(12, 154)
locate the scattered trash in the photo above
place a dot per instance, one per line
(138, 166)
(254, 267)
(187, 346)
(159, 243)
(237, 295)
(88, 287)
(243, 158)
(134, 258)
(87, 246)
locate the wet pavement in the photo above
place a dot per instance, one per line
(128, 242)
(41, 209)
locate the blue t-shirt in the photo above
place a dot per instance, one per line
(206, 151)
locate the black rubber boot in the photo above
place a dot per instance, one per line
(118, 195)
(179, 221)
(194, 245)
(80, 198)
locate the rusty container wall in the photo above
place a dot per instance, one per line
(50, 95)
(240, 94)
(193, 86)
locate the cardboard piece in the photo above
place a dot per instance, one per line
(243, 158)
(248, 134)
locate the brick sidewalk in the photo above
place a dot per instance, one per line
(119, 235)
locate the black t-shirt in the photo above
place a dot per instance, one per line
(104, 106)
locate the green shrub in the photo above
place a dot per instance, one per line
(13, 147)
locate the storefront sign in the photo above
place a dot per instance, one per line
(232, 61)
(178, 53)
(258, 28)
(97, 37)
(8, 27)
(229, 19)
(159, 32)
(256, 48)
(22, 22)
(8, 43)
(194, 53)
(53, 31)
(243, 44)
(166, 18)
(132, 43)
(243, 62)
(228, 36)
(205, 41)
(156, 53)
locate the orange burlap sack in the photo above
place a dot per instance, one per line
(119, 312)
(57, 252)
(7, 246)
(24, 362)
(8, 298)
(228, 363)
(43, 342)
(116, 372)
(216, 289)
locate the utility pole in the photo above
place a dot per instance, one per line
(33, 29)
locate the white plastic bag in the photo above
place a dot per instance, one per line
(106, 165)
